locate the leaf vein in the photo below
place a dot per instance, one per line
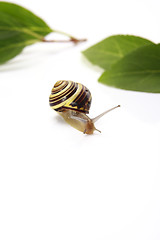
(135, 72)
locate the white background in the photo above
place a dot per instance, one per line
(55, 182)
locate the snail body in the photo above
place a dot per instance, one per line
(79, 120)
(72, 101)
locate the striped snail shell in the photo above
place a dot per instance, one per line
(70, 95)
(72, 101)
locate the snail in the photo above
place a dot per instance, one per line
(72, 101)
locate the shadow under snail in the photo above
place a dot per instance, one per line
(72, 101)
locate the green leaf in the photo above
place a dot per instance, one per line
(18, 28)
(112, 49)
(137, 71)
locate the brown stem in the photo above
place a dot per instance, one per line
(74, 40)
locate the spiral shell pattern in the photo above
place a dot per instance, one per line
(70, 95)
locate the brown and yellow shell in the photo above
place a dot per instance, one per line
(70, 95)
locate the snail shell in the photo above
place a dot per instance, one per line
(67, 95)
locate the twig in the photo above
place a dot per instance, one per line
(72, 39)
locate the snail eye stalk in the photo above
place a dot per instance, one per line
(102, 114)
